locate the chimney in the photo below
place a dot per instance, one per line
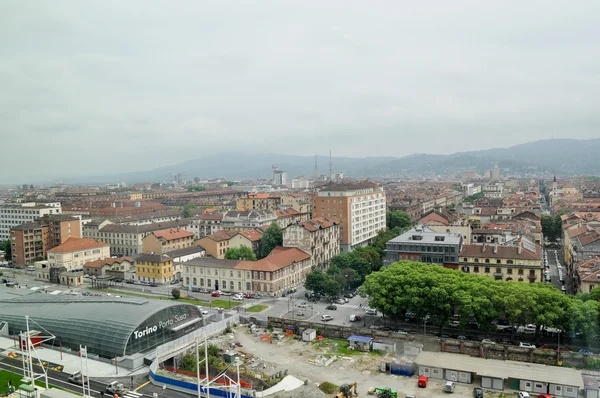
(519, 247)
(483, 248)
(495, 249)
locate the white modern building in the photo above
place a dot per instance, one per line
(12, 215)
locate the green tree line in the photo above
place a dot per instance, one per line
(439, 292)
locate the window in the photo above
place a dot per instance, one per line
(476, 260)
(231, 274)
(465, 259)
(476, 269)
(509, 261)
(487, 270)
(217, 272)
(498, 261)
(510, 271)
(262, 275)
(487, 260)
(498, 271)
(187, 280)
(194, 281)
(224, 284)
(208, 283)
(201, 281)
(520, 272)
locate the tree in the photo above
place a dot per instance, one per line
(240, 253)
(188, 362)
(316, 281)
(176, 294)
(6, 247)
(398, 219)
(473, 198)
(552, 227)
(230, 183)
(197, 188)
(272, 237)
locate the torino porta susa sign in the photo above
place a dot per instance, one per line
(149, 330)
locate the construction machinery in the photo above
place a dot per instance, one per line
(383, 392)
(346, 390)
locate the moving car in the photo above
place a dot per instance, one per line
(477, 392)
(301, 305)
(461, 337)
(526, 345)
(370, 312)
(331, 307)
(326, 318)
(488, 341)
(77, 378)
(216, 294)
(422, 382)
(449, 387)
(583, 351)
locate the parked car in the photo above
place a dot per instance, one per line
(544, 396)
(454, 324)
(203, 311)
(461, 337)
(331, 307)
(523, 394)
(487, 341)
(152, 284)
(215, 294)
(249, 295)
(371, 312)
(225, 293)
(326, 318)
(301, 305)
(477, 392)
(402, 331)
(237, 298)
(563, 288)
(583, 351)
(348, 295)
(257, 296)
(449, 386)
(526, 345)
(422, 381)
(300, 313)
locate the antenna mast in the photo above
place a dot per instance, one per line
(330, 167)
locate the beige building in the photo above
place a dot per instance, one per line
(320, 237)
(244, 220)
(250, 239)
(299, 202)
(217, 244)
(167, 240)
(215, 274)
(290, 216)
(75, 252)
(259, 201)
(520, 263)
(116, 267)
(359, 208)
(284, 268)
(587, 275)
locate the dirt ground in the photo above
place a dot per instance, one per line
(293, 356)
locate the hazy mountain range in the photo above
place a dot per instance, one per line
(560, 156)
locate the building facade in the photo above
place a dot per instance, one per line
(216, 274)
(244, 220)
(358, 207)
(423, 244)
(167, 240)
(290, 216)
(206, 224)
(216, 245)
(283, 269)
(250, 239)
(521, 263)
(320, 237)
(154, 268)
(116, 267)
(12, 215)
(259, 201)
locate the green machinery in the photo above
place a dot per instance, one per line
(383, 392)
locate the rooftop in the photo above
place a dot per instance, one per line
(107, 261)
(501, 369)
(318, 223)
(253, 235)
(280, 257)
(222, 235)
(172, 234)
(141, 229)
(152, 258)
(349, 186)
(186, 251)
(520, 252)
(212, 262)
(76, 244)
(422, 234)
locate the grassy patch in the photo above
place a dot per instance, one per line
(225, 303)
(328, 388)
(257, 308)
(15, 378)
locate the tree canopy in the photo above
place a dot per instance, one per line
(552, 227)
(398, 219)
(439, 292)
(240, 253)
(197, 188)
(473, 198)
(7, 250)
(272, 237)
(322, 284)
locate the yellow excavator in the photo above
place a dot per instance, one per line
(346, 390)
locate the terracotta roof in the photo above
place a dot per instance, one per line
(287, 212)
(279, 258)
(173, 233)
(506, 252)
(577, 231)
(318, 223)
(222, 235)
(588, 237)
(253, 235)
(262, 196)
(210, 216)
(107, 261)
(76, 244)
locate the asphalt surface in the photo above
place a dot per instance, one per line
(554, 259)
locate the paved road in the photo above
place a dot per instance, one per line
(554, 259)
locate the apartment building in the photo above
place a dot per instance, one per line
(166, 240)
(206, 224)
(216, 274)
(65, 262)
(358, 207)
(244, 220)
(31, 241)
(250, 239)
(116, 267)
(299, 202)
(425, 245)
(154, 268)
(520, 263)
(259, 201)
(586, 275)
(290, 216)
(320, 237)
(124, 239)
(216, 245)
(284, 268)
(12, 215)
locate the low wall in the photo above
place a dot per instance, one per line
(471, 348)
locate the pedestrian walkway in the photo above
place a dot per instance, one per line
(132, 394)
(355, 306)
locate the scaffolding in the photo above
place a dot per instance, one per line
(29, 351)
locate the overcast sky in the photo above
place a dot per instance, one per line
(107, 86)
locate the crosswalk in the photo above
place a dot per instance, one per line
(132, 394)
(353, 306)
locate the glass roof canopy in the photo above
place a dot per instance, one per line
(108, 326)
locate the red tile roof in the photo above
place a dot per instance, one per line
(588, 237)
(287, 212)
(279, 258)
(318, 223)
(253, 235)
(173, 233)
(107, 261)
(222, 235)
(76, 244)
(506, 252)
